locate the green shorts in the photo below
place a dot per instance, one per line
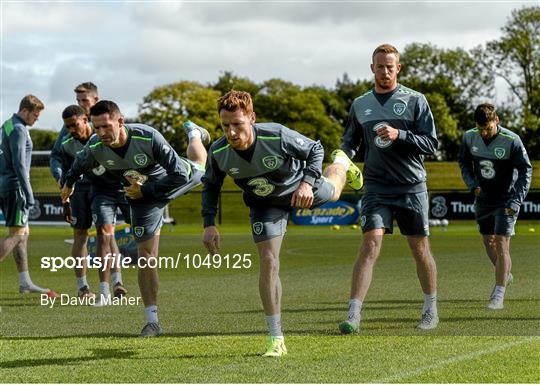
(411, 211)
(14, 207)
(492, 220)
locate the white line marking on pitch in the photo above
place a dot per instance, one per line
(452, 360)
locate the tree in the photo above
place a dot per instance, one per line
(516, 59)
(347, 90)
(167, 107)
(299, 109)
(453, 84)
(228, 81)
(43, 139)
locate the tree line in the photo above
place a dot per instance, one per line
(454, 81)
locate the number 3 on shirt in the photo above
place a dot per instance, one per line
(487, 170)
(262, 187)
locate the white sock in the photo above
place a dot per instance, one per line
(499, 291)
(151, 314)
(342, 161)
(430, 303)
(104, 289)
(24, 278)
(194, 134)
(81, 282)
(274, 325)
(116, 278)
(355, 306)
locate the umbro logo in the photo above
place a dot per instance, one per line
(474, 149)
(367, 112)
(234, 171)
(110, 162)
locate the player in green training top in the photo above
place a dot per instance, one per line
(396, 127)
(278, 169)
(153, 174)
(16, 196)
(496, 168)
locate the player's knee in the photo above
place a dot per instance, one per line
(501, 243)
(269, 261)
(106, 229)
(80, 232)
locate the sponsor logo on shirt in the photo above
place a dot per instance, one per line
(381, 143)
(100, 170)
(135, 177)
(140, 159)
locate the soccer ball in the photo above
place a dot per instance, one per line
(336, 227)
(444, 222)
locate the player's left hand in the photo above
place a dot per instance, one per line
(133, 191)
(303, 196)
(387, 133)
(509, 211)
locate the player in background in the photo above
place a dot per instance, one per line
(16, 196)
(104, 205)
(278, 169)
(86, 95)
(496, 168)
(153, 174)
(396, 127)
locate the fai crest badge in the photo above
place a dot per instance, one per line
(258, 228)
(499, 152)
(139, 231)
(399, 108)
(272, 162)
(140, 159)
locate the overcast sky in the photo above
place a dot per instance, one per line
(129, 47)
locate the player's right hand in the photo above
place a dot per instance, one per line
(66, 193)
(211, 239)
(477, 191)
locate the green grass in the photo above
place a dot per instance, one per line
(215, 326)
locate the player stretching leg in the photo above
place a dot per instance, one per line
(278, 169)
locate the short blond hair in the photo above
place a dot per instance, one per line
(31, 103)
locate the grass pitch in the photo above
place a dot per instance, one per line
(215, 326)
